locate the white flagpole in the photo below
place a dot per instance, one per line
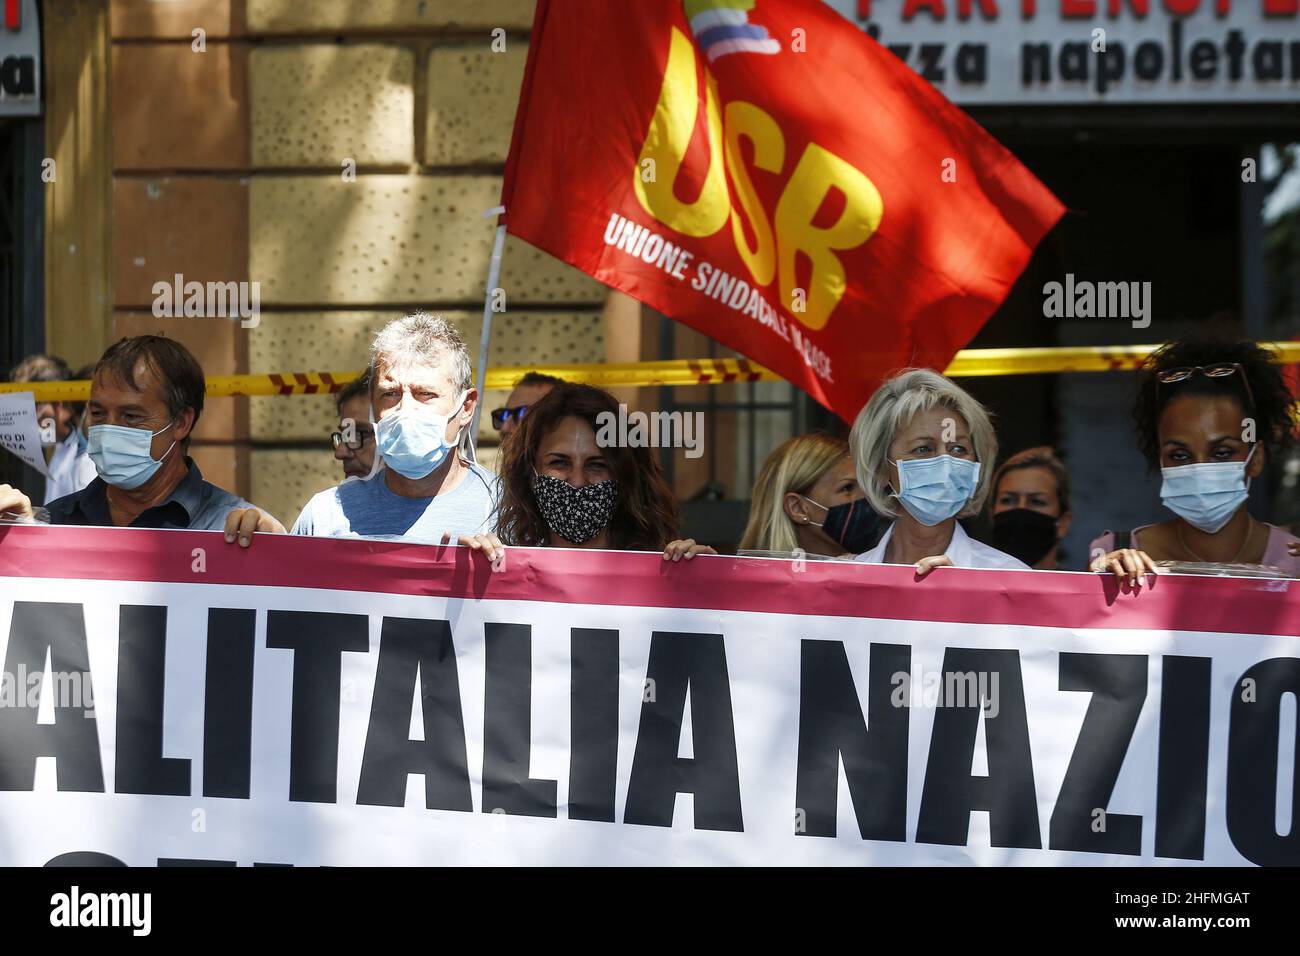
(494, 278)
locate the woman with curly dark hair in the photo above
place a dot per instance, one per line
(1210, 413)
(563, 488)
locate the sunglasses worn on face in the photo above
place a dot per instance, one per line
(363, 435)
(1218, 370)
(502, 415)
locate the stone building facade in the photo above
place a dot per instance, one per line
(339, 153)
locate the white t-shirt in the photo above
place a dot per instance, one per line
(70, 469)
(964, 552)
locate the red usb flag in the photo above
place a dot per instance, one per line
(766, 173)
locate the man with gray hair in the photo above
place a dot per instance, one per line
(422, 399)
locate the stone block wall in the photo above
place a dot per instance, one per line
(340, 153)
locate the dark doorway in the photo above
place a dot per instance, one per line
(22, 263)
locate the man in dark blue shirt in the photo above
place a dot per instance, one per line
(194, 503)
(145, 398)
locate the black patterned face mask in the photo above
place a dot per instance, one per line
(575, 514)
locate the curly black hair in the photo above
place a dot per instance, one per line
(1273, 404)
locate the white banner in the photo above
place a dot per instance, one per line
(206, 703)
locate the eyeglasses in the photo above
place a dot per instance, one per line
(363, 435)
(1218, 370)
(502, 415)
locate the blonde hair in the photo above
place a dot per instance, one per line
(1044, 457)
(900, 399)
(794, 465)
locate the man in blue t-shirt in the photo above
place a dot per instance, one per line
(370, 508)
(422, 398)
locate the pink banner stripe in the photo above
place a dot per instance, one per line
(1179, 603)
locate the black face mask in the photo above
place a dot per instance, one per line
(1024, 534)
(575, 514)
(853, 524)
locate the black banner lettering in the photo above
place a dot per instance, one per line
(507, 726)
(950, 792)
(318, 641)
(408, 646)
(1182, 771)
(1253, 736)
(832, 729)
(593, 764)
(1080, 820)
(59, 631)
(228, 703)
(141, 667)
(679, 661)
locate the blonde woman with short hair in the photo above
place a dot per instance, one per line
(807, 498)
(921, 445)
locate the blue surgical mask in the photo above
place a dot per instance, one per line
(121, 454)
(936, 489)
(413, 441)
(1208, 494)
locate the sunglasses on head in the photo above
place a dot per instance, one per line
(1218, 370)
(502, 415)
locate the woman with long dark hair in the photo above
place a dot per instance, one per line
(568, 480)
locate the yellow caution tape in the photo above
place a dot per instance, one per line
(668, 372)
(967, 362)
(1115, 358)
